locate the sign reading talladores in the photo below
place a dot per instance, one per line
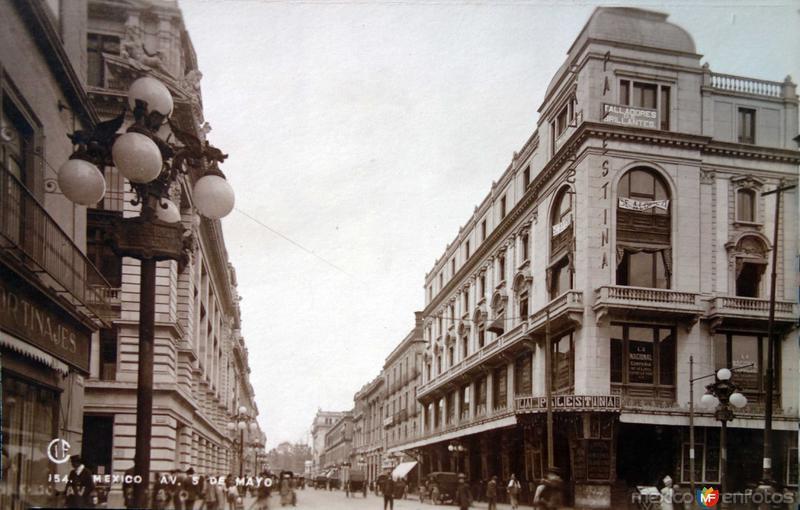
(630, 116)
(608, 403)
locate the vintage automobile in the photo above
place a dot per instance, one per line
(358, 482)
(321, 482)
(440, 487)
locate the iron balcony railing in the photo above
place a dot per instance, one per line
(31, 237)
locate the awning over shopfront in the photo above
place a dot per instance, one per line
(403, 469)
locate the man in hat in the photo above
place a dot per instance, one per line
(491, 493)
(79, 485)
(463, 494)
(192, 487)
(388, 492)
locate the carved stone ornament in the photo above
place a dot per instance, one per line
(133, 48)
(747, 181)
(707, 176)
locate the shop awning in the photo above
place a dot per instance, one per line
(403, 469)
(26, 349)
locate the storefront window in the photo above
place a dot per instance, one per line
(747, 355)
(642, 355)
(29, 424)
(563, 362)
(706, 455)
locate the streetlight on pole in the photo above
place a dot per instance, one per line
(154, 168)
(457, 449)
(721, 395)
(242, 421)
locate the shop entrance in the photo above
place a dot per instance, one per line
(96, 453)
(646, 453)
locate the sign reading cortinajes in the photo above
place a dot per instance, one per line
(571, 403)
(630, 116)
(34, 319)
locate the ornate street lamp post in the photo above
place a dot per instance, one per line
(721, 395)
(154, 168)
(457, 449)
(241, 422)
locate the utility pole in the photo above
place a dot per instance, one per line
(768, 482)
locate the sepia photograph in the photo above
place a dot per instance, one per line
(399, 254)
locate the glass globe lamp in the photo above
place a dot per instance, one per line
(738, 400)
(137, 157)
(241, 425)
(253, 426)
(231, 426)
(81, 182)
(154, 94)
(723, 374)
(242, 410)
(709, 401)
(213, 196)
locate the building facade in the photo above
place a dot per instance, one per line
(323, 422)
(201, 372)
(368, 447)
(339, 445)
(52, 298)
(627, 236)
(402, 372)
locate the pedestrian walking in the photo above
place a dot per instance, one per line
(128, 487)
(463, 494)
(514, 489)
(160, 492)
(262, 496)
(192, 486)
(211, 498)
(667, 494)
(230, 492)
(79, 485)
(388, 493)
(491, 493)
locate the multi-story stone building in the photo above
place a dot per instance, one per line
(627, 236)
(201, 373)
(51, 296)
(402, 372)
(339, 445)
(368, 433)
(323, 421)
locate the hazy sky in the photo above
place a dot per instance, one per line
(367, 132)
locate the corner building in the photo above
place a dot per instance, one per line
(630, 226)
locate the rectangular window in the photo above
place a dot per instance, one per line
(525, 253)
(526, 177)
(747, 125)
(97, 45)
(481, 286)
(560, 278)
(562, 120)
(643, 269)
(453, 267)
(466, 300)
(481, 336)
(502, 207)
(624, 92)
(523, 307)
(464, 347)
(563, 363)
(707, 457)
(500, 387)
(644, 95)
(441, 280)
(466, 250)
(664, 108)
(523, 384)
(746, 205)
(502, 266)
(642, 355)
(746, 355)
(483, 230)
(108, 354)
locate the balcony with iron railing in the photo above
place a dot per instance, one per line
(33, 242)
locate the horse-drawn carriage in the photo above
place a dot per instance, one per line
(357, 482)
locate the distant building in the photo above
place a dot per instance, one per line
(402, 373)
(339, 442)
(368, 444)
(323, 422)
(631, 227)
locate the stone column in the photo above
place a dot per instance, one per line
(490, 393)
(473, 399)
(510, 386)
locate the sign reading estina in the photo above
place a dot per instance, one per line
(571, 403)
(33, 319)
(630, 116)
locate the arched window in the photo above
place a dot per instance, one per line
(749, 260)
(644, 249)
(559, 273)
